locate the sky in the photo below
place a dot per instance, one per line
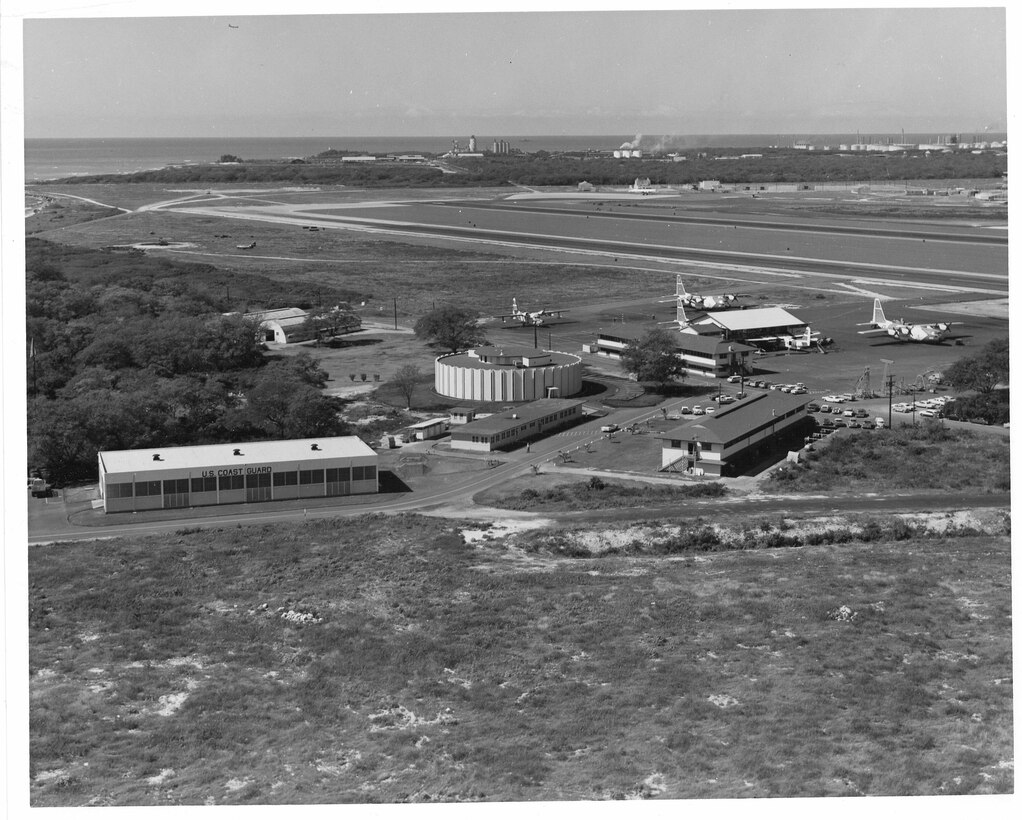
(668, 71)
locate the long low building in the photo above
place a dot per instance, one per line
(173, 477)
(700, 355)
(511, 427)
(737, 436)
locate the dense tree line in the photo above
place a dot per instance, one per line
(984, 378)
(543, 168)
(122, 355)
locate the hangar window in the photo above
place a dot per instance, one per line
(338, 474)
(125, 490)
(310, 477)
(175, 485)
(232, 482)
(285, 479)
(367, 473)
(143, 488)
(204, 485)
(258, 480)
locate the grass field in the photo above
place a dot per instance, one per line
(313, 664)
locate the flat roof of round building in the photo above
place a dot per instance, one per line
(509, 360)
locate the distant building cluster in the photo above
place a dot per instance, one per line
(948, 143)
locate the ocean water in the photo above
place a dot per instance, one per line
(54, 158)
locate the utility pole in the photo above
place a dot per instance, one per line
(890, 397)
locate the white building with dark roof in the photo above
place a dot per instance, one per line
(161, 478)
(501, 431)
(737, 435)
(701, 354)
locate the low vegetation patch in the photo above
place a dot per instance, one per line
(598, 494)
(701, 535)
(384, 659)
(929, 456)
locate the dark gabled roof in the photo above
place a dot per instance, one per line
(516, 417)
(733, 421)
(710, 344)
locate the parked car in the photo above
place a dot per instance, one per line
(725, 399)
(824, 408)
(868, 425)
(927, 413)
(880, 423)
(861, 413)
(685, 410)
(849, 413)
(854, 424)
(840, 423)
(609, 428)
(734, 379)
(799, 391)
(711, 409)
(697, 410)
(813, 407)
(834, 399)
(902, 407)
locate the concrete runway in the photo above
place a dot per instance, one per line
(952, 257)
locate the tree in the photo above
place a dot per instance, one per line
(982, 372)
(451, 327)
(653, 358)
(325, 325)
(290, 408)
(406, 379)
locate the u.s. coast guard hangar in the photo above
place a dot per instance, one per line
(162, 478)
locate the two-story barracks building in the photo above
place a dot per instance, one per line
(172, 477)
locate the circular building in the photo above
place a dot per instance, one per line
(508, 373)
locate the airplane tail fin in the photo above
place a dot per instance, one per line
(681, 287)
(682, 317)
(878, 313)
(514, 304)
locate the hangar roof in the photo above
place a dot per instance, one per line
(223, 455)
(277, 315)
(754, 318)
